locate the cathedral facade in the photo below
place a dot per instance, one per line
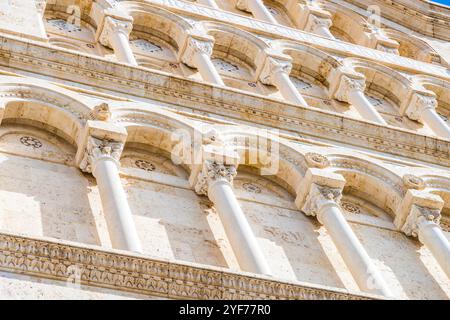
(224, 149)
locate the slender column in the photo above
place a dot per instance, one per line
(215, 180)
(419, 217)
(351, 90)
(422, 108)
(210, 3)
(322, 201)
(102, 159)
(257, 8)
(276, 72)
(115, 34)
(198, 55)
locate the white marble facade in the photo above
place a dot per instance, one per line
(96, 202)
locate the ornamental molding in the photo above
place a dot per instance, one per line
(272, 66)
(126, 272)
(294, 34)
(331, 126)
(97, 149)
(212, 172)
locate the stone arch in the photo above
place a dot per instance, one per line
(236, 46)
(347, 25)
(388, 90)
(310, 72)
(370, 181)
(413, 47)
(441, 89)
(162, 24)
(48, 106)
(172, 221)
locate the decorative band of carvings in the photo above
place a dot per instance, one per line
(52, 260)
(430, 149)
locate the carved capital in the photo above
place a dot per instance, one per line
(319, 197)
(418, 217)
(213, 171)
(387, 49)
(419, 103)
(316, 21)
(195, 46)
(348, 84)
(112, 26)
(272, 66)
(97, 149)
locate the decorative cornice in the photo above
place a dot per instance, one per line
(135, 273)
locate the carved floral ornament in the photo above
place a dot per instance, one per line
(316, 160)
(213, 171)
(419, 103)
(348, 84)
(413, 182)
(97, 149)
(320, 196)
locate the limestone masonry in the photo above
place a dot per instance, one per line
(224, 149)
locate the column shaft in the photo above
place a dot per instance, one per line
(431, 235)
(206, 68)
(121, 46)
(435, 122)
(115, 206)
(351, 250)
(239, 232)
(259, 11)
(364, 107)
(288, 89)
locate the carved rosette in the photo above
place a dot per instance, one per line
(316, 160)
(419, 103)
(194, 47)
(419, 216)
(97, 149)
(320, 196)
(113, 26)
(413, 182)
(273, 66)
(100, 112)
(213, 171)
(315, 22)
(348, 84)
